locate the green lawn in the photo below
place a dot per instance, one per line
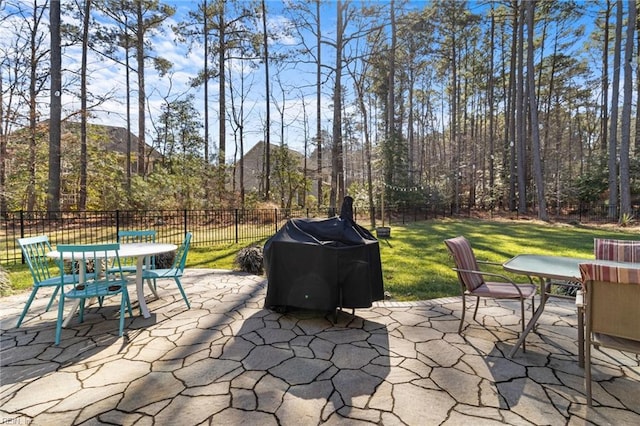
(417, 266)
(415, 262)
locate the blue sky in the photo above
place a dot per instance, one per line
(107, 77)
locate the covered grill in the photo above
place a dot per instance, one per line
(323, 264)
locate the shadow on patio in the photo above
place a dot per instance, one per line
(228, 360)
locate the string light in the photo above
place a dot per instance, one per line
(404, 189)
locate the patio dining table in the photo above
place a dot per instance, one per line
(142, 252)
(547, 269)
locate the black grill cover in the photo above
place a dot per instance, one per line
(323, 264)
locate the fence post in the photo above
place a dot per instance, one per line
(186, 224)
(275, 220)
(580, 212)
(21, 223)
(22, 234)
(118, 225)
(236, 225)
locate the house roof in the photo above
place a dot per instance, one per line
(116, 138)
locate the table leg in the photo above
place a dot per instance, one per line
(140, 287)
(580, 311)
(74, 307)
(147, 265)
(533, 320)
(76, 302)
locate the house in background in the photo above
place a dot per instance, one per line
(254, 166)
(254, 162)
(113, 139)
(105, 139)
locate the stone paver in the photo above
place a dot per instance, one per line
(228, 360)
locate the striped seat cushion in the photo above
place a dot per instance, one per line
(608, 273)
(463, 256)
(617, 250)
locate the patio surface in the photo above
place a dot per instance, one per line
(229, 361)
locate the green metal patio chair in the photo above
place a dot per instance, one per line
(177, 268)
(136, 236)
(44, 270)
(98, 284)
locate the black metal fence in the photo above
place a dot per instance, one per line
(223, 226)
(209, 227)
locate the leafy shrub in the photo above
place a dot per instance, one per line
(627, 219)
(165, 260)
(250, 260)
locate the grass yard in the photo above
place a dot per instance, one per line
(417, 266)
(415, 262)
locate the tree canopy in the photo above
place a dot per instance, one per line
(518, 105)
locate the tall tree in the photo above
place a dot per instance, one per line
(82, 202)
(337, 166)
(38, 76)
(197, 29)
(533, 111)
(135, 22)
(604, 115)
(521, 141)
(55, 111)
(319, 103)
(267, 90)
(625, 130)
(613, 120)
(150, 15)
(359, 72)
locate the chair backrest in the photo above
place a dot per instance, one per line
(137, 236)
(180, 259)
(91, 258)
(463, 256)
(617, 250)
(612, 299)
(34, 250)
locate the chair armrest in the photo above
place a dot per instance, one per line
(505, 279)
(490, 263)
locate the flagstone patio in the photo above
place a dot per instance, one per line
(228, 360)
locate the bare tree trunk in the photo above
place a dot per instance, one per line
(604, 114)
(222, 100)
(3, 151)
(391, 102)
(491, 114)
(512, 106)
(205, 26)
(337, 172)
(128, 85)
(267, 125)
(533, 110)
(141, 90)
(521, 143)
(613, 123)
(319, 105)
(82, 202)
(625, 137)
(55, 112)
